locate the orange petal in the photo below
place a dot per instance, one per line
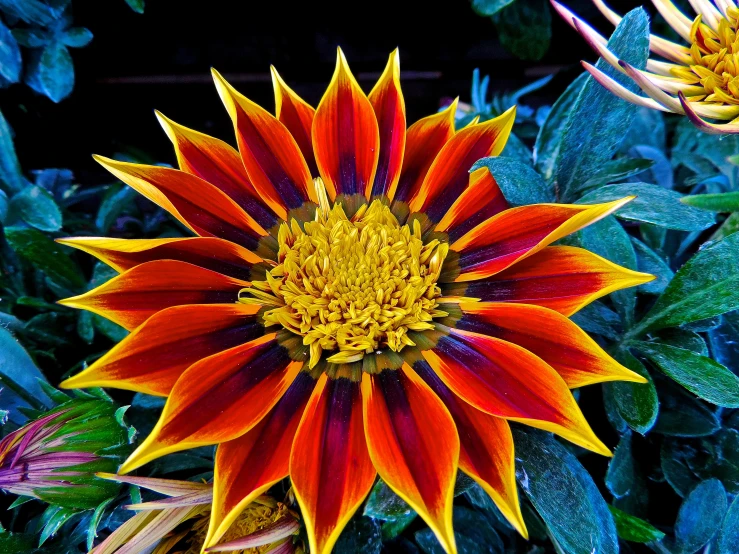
(249, 465)
(219, 399)
(297, 115)
(561, 278)
(155, 354)
(387, 100)
(514, 234)
(448, 175)
(346, 139)
(200, 206)
(424, 139)
(480, 201)
(549, 335)
(413, 444)
(211, 253)
(485, 448)
(270, 154)
(132, 297)
(506, 380)
(216, 162)
(330, 468)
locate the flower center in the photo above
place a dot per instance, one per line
(716, 59)
(352, 286)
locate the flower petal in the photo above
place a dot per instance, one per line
(247, 466)
(448, 176)
(270, 154)
(514, 234)
(132, 297)
(549, 335)
(330, 467)
(413, 444)
(705, 126)
(155, 354)
(485, 448)
(481, 200)
(506, 380)
(211, 253)
(219, 399)
(346, 138)
(561, 278)
(297, 115)
(170, 487)
(218, 163)
(197, 204)
(387, 100)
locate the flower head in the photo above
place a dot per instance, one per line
(699, 78)
(355, 302)
(55, 457)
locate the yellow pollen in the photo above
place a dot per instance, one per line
(352, 286)
(715, 57)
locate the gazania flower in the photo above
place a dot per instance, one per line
(181, 521)
(700, 79)
(55, 457)
(355, 303)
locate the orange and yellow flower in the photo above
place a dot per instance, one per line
(354, 302)
(700, 80)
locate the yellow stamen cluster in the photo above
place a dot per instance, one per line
(716, 60)
(253, 518)
(352, 286)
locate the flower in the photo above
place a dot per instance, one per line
(699, 80)
(55, 457)
(265, 526)
(356, 303)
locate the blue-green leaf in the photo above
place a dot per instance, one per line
(51, 72)
(19, 378)
(520, 184)
(637, 404)
(77, 37)
(10, 168)
(728, 538)
(37, 208)
(700, 516)
(525, 28)
(10, 56)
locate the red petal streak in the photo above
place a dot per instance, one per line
(219, 399)
(514, 234)
(216, 162)
(247, 466)
(549, 335)
(481, 200)
(132, 297)
(562, 278)
(270, 154)
(448, 176)
(485, 448)
(155, 354)
(424, 139)
(330, 467)
(197, 204)
(506, 380)
(346, 139)
(387, 100)
(413, 444)
(297, 115)
(211, 253)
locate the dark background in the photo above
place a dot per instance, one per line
(161, 60)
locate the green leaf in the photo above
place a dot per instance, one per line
(10, 168)
(54, 517)
(634, 529)
(653, 204)
(486, 8)
(10, 56)
(616, 170)
(700, 516)
(520, 184)
(564, 495)
(723, 202)
(36, 207)
(728, 538)
(636, 403)
(549, 139)
(384, 504)
(51, 72)
(707, 285)
(92, 527)
(648, 261)
(46, 255)
(136, 5)
(525, 28)
(600, 120)
(77, 37)
(19, 378)
(701, 375)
